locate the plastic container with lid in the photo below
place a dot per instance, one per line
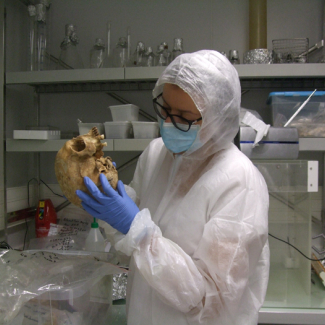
(145, 130)
(118, 130)
(310, 121)
(127, 112)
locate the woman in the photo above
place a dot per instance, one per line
(198, 234)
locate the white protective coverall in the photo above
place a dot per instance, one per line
(199, 245)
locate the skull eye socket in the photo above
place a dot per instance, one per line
(79, 145)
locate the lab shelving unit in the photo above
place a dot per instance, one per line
(252, 77)
(257, 76)
(295, 76)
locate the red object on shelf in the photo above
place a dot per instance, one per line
(45, 215)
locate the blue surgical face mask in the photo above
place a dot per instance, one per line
(175, 140)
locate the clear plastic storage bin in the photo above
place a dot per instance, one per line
(310, 121)
(127, 112)
(145, 130)
(118, 130)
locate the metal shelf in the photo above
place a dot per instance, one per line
(64, 76)
(252, 76)
(308, 70)
(13, 145)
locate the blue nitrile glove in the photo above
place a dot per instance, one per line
(114, 207)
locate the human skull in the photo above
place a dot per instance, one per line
(79, 157)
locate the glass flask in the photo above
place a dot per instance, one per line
(121, 53)
(69, 56)
(97, 54)
(149, 57)
(178, 48)
(137, 59)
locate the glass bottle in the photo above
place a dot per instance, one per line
(97, 54)
(178, 48)
(166, 53)
(137, 58)
(69, 56)
(234, 57)
(160, 58)
(121, 53)
(224, 54)
(149, 57)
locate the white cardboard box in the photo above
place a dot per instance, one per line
(37, 134)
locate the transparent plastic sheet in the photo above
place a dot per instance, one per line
(69, 234)
(47, 279)
(58, 242)
(119, 286)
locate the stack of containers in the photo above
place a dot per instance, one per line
(125, 124)
(145, 130)
(121, 127)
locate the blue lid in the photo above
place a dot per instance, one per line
(293, 94)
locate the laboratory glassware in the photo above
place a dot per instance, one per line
(160, 58)
(166, 53)
(137, 58)
(128, 32)
(31, 37)
(121, 53)
(108, 55)
(38, 58)
(69, 56)
(149, 57)
(97, 54)
(178, 48)
(234, 57)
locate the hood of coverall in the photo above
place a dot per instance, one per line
(212, 82)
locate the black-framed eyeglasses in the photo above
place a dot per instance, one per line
(178, 121)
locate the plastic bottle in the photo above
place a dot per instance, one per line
(95, 241)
